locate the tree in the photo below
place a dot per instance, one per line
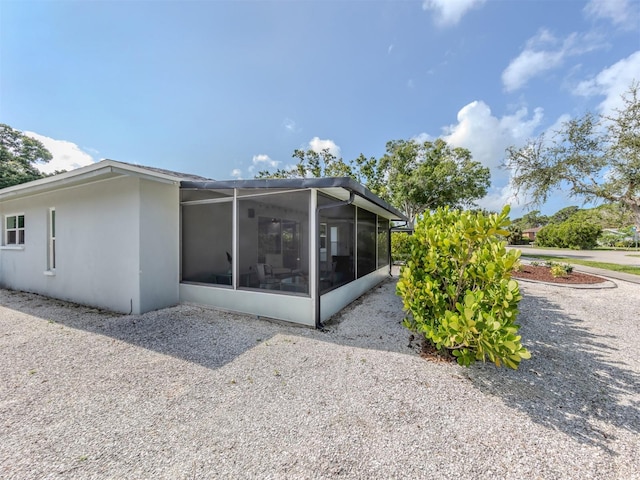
(414, 177)
(312, 164)
(597, 157)
(531, 219)
(564, 214)
(19, 155)
(424, 176)
(608, 215)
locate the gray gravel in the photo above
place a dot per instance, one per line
(189, 392)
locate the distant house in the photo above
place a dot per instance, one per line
(133, 239)
(531, 233)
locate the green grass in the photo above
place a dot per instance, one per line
(588, 263)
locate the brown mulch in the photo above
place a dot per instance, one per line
(428, 350)
(543, 274)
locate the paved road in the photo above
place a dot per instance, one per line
(609, 256)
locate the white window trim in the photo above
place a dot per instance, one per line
(51, 241)
(5, 239)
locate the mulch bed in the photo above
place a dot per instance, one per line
(543, 274)
(428, 350)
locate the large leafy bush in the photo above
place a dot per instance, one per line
(457, 287)
(400, 246)
(569, 234)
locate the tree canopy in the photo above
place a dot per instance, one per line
(596, 157)
(19, 155)
(312, 164)
(532, 219)
(425, 176)
(414, 177)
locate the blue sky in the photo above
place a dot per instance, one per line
(226, 88)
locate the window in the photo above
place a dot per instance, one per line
(207, 243)
(338, 268)
(383, 242)
(366, 238)
(14, 231)
(51, 257)
(273, 231)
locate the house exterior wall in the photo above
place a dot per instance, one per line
(159, 245)
(108, 234)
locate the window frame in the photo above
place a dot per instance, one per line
(17, 229)
(51, 240)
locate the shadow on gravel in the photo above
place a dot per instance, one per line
(200, 335)
(213, 338)
(571, 384)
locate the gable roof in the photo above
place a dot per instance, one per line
(181, 175)
(103, 169)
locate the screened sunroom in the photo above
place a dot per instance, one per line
(297, 250)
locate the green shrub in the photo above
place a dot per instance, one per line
(515, 235)
(457, 287)
(400, 247)
(570, 234)
(558, 271)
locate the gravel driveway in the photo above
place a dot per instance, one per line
(189, 392)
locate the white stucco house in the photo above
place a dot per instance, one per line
(133, 239)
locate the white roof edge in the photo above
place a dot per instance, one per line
(95, 169)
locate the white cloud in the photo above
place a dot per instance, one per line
(264, 160)
(289, 125)
(236, 173)
(318, 145)
(449, 12)
(622, 13)
(527, 65)
(612, 82)
(66, 155)
(498, 197)
(545, 52)
(422, 137)
(487, 136)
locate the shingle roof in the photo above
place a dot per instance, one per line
(182, 175)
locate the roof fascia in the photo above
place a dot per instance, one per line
(84, 175)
